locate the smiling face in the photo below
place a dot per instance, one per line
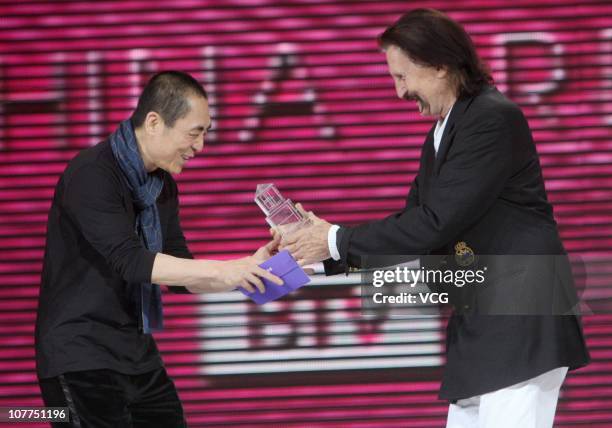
(169, 148)
(428, 86)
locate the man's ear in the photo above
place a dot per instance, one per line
(153, 123)
(442, 72)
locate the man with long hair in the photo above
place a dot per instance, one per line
(479, 190)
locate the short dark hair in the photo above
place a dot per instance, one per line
(430, 37)
(166, 94)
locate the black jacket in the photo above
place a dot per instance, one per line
(484, 190)
(94, 259)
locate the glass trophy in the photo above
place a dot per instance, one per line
(280, 213)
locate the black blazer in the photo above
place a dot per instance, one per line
(484, 190)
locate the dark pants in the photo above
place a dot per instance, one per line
(105, 398)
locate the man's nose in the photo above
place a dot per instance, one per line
(197, 147)
(400, 89)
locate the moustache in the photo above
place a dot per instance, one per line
(412, 97)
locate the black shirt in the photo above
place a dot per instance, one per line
(93, 260)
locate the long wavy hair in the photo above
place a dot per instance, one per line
(430, 37)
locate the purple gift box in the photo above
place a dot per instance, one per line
(285, 267)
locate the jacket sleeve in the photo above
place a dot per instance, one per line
(477, 166)
(334, 267)
(175, 243)
(94, 203)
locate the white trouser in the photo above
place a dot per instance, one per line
(529, 404)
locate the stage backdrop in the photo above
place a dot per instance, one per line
(300, 97)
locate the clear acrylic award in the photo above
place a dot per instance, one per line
(280, 213)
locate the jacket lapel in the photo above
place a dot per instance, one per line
(450, 130)
(430, 153)
(426, 166)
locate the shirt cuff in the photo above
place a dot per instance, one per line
(331, 242)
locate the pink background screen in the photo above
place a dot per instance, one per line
(300, 97)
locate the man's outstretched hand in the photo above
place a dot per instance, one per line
(268, 250)
(308, 244)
